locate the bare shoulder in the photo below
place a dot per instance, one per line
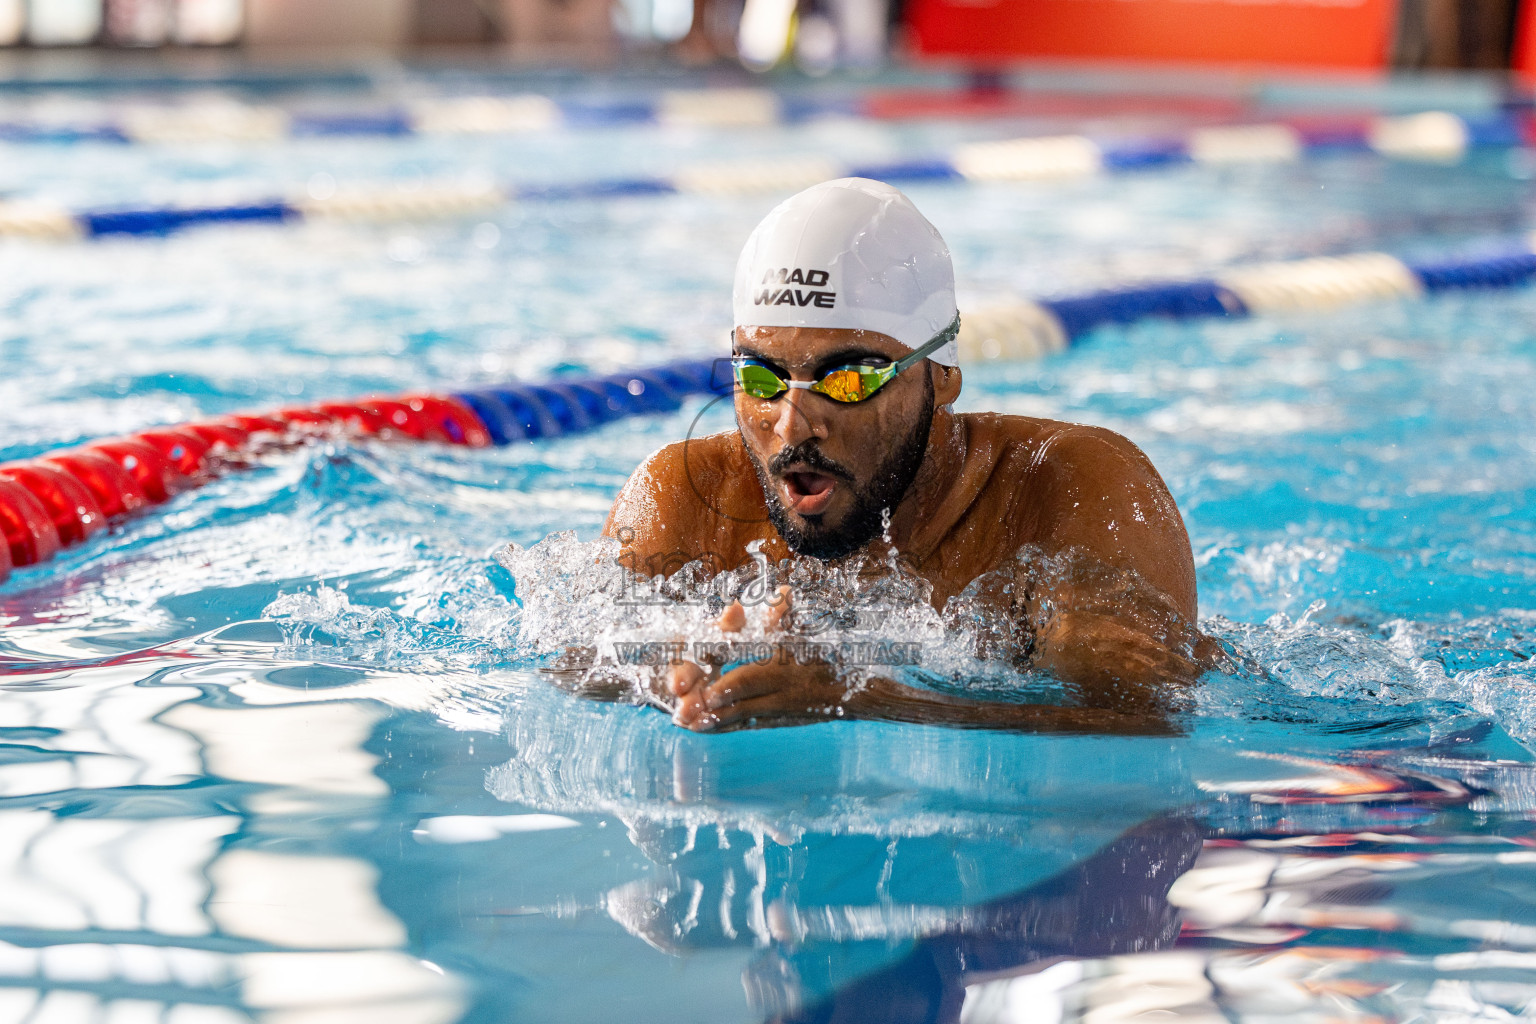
(1057, 451)
(686, 498)
(1093, 489)
(681, 469)
(670, 477)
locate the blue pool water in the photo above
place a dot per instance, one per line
(280, 751)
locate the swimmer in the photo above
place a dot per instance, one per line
(845, 363)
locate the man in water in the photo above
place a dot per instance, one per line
(844, 359)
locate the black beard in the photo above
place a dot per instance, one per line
(864, 521)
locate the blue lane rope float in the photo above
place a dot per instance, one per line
(64, 497)
(527, 412)
(1433, 137)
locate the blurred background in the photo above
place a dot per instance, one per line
(815, 36)
(276, 750)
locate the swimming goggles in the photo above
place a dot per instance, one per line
(852, 383)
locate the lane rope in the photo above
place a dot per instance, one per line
(63, 498)
(1434, 137)
(226, 119)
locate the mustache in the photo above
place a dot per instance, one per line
(806, 454)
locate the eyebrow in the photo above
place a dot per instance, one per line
(832, 360)
(842, 357)
(747, 353)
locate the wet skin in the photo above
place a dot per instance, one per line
(988, 485)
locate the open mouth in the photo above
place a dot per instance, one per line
(808, 493)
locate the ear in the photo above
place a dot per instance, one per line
(946, 383)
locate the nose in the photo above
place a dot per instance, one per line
(798, 418)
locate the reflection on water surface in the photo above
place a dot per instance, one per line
(201, 827)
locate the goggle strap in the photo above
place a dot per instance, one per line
(932, 345)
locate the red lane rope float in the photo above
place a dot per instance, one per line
(76, 512)
(185, 449)
(153, 472)
(63, 498)
(30, 534)
(115, 490)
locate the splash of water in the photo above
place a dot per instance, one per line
(468, 633)
(574, 596)
(1345, 673)
(873, 616)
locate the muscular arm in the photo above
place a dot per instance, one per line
(782, 691)
(1116, 614)
(779, 695)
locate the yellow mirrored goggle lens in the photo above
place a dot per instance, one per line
(851, 384)
(845, 384)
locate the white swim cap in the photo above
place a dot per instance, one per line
(851, 253)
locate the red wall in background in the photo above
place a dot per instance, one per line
(1343, 34)
(1522, 56)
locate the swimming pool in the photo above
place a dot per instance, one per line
(279, 750)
